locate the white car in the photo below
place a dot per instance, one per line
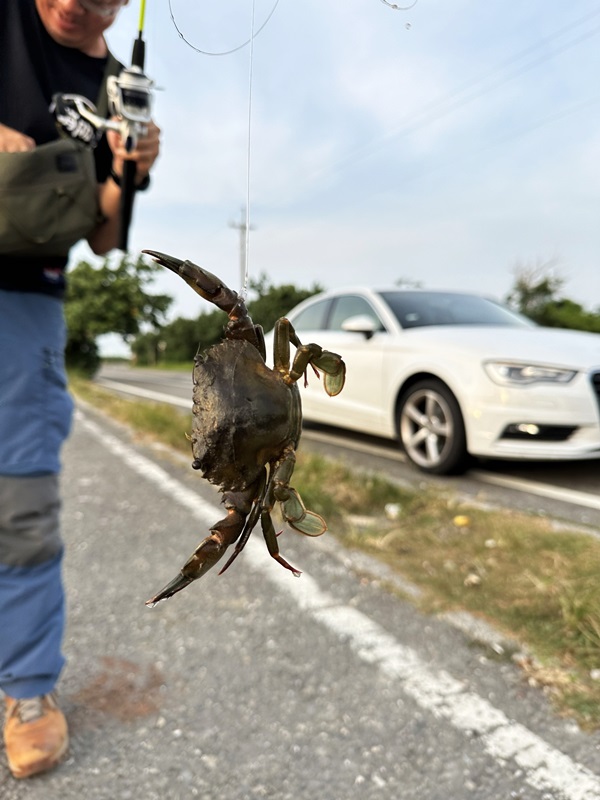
(451, 375)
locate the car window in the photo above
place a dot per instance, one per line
(351, 306)
(313, 317)
(419, 309)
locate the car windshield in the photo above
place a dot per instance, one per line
(417, 309)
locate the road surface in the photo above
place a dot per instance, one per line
(568, 491)
(256, 684)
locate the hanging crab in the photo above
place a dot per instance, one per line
(246, 426)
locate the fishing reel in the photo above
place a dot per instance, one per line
(130, 102)
(129, 99)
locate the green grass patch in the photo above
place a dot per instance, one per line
(539, 585)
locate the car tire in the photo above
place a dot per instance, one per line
(431, 428)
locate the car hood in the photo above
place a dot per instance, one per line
(541, 345)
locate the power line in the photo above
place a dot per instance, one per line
(469, 92)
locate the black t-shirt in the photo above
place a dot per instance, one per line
(33, 67)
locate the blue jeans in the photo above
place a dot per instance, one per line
(35, 419)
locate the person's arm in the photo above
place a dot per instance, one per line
(12, 141)
(105, 236)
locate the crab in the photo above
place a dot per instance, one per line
(247, 420)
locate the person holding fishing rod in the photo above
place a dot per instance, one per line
(52, 194)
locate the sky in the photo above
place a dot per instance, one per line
(446, 144)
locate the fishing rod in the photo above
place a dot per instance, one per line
(130, 98)
(130, 101)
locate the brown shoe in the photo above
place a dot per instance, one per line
(35, 735)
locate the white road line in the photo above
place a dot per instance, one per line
(508, 742)
(542, 489)
(360, 447)
(148, 394)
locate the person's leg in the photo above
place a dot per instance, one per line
(35, 415)
(31, 591)
(32, 616)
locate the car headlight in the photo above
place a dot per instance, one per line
(520, 374)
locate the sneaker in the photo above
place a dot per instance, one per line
(35, 735)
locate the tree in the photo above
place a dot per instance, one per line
(535, 294)
(181, 339)
(146, 348)
(534, 288)
(275, 301)
(109, 299)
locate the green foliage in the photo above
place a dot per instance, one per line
(108, 299)
(535, 294)
(275, 301)
(568, 314)
(82, 355)
(180, 340)
(209, 329)
(146, 348)
(534, 288)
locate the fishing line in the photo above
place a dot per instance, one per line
(244, 289)
(250, 41)
(253, 34)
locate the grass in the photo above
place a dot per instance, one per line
(537, 584)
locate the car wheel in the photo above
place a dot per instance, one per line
(431, 428)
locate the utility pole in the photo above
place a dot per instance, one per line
(241, 226)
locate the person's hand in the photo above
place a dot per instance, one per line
(145, 153)
(12, 141)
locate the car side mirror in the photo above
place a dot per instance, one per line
(361, 323)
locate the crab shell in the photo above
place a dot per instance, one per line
(244, 414)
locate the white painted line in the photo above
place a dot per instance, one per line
(360, 447)
(159, 397)
(542, 489)
(508, 742)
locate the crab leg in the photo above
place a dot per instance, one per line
(262, 508)
(313, 354)
(294, 511)
(250, 523)
(272, 545)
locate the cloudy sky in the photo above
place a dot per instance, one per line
(443, 144)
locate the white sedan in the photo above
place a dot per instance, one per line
(451, 375)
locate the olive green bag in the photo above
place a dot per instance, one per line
(48, 199)
(49, 195)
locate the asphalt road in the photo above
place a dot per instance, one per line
(256, 684)
(567, 491)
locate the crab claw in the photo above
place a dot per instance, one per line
(206, 555)
(334, 372)
(201, 280)
(202, 559)
(174, 586)
(299, 517)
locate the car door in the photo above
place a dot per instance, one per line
(359, 405)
